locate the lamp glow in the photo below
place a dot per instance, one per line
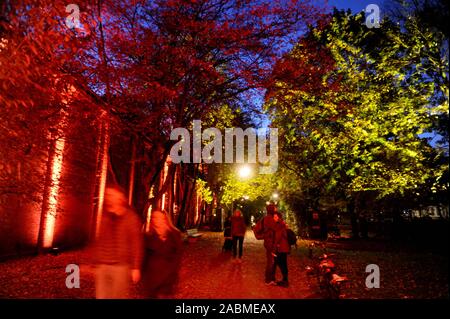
(245, 171)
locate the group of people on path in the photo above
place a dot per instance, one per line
(277, 242)
(124, 254)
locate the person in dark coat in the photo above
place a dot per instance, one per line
(281, 249)
(228, 240)
(227, 227)
(162, 258)
(238, 229)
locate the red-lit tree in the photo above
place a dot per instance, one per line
(150, 66)
(162, 64)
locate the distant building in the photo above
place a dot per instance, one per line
(434, 212)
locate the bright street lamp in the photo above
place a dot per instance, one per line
(245, 171)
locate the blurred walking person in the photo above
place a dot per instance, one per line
(119, 247)
(162, 261)
(238, 229)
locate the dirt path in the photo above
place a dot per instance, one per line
(209, 273)
(206, 273)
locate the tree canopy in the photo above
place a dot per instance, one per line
(352, 105)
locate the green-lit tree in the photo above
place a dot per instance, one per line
(351, 105)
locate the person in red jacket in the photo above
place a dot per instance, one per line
(281, 249)
(268, 227)
(238, 229)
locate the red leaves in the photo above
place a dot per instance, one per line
(185, 56)
(307, 68)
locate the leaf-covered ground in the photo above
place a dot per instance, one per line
(208, 273)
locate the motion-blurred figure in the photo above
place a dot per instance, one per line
(119, 247)
(163, 246)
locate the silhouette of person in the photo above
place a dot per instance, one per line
(163, 252)
(238, 229)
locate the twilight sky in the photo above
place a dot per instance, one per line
(355, 5)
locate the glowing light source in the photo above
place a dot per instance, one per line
(275, 195)
(245, 171)
(149, 212)
(164, 176)
(147, 222)
(174, 204)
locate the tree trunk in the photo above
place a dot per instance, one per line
(181, 223)
(52, 184)
(132, 171)
(101, 176)
(46, 196)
